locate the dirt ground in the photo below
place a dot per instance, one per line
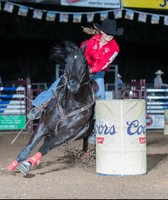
(64, 174)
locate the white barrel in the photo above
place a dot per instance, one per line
(121, 137)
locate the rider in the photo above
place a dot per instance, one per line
(101, 50)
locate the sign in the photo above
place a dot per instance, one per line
(56, 2)
(155, 121)
(12, 122)
(149, 121)
(92, 3)
(156, 4)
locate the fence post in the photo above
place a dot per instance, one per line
(29, 103)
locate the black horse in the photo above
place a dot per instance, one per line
(69, 114)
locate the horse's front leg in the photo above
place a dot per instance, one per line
(49, 144)
(25, 153)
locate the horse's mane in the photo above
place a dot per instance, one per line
(59, 53)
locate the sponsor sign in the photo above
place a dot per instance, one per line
(120, 137)
(155, 121)
(12, 122)
(156, 4)
(93, 3)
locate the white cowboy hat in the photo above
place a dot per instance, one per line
(159, 72)
(119, 76)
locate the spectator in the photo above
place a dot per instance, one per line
(158, 82)
(120, 81)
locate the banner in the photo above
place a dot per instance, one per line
(55, 2)
(156, 4)
(50, 15)
(93, 3)
(23, 11)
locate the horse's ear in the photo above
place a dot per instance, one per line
(69, 46)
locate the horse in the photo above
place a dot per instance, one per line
(69, 115)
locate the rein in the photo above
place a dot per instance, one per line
(90, 76)
(65, 116)
(60, 86)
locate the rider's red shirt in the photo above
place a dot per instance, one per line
(99, 59)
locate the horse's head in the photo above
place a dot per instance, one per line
(76, 70)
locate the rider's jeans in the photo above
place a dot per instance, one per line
(99, 78)
(47, 95)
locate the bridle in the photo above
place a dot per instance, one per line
(63, 115)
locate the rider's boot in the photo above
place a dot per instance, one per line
(35, 113)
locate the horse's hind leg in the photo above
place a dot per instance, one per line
(85, 140)
(85, 147)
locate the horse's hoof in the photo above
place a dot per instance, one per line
(86, 155)
(24, 167)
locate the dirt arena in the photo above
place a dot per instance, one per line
(63, 174)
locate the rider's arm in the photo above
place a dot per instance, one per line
(100, 58)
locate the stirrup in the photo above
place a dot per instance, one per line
(34, 113)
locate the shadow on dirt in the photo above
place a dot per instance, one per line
(71, 158)
(75, 158)
(153, 160)
(157, 142)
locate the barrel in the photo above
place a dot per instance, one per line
(121, 137)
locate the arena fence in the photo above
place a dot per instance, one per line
(16, 101)
(12, 108)
(156, 104)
